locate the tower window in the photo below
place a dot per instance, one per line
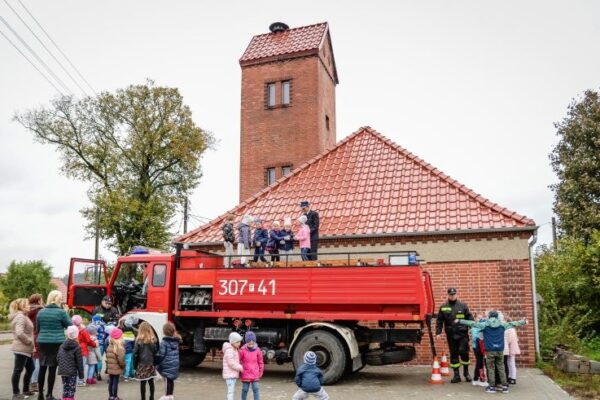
(270, 176)
(286, 170)
(327, 122)
(285, 92)
(270, 94)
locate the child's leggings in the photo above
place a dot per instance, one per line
(143, 388)
(113, 386)
(69, 386)
(91, 371)
(170, 387)
(512, 367)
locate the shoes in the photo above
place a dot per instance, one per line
(505, 389)
(28, 393)
(50, 397)
(99, 377)
(467, 377)
(512, 381)
(34, 387)
(80, 383)
(483, 383)
(475, 383)
(490, 389)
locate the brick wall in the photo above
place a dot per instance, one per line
(283, 135)
(502, 285)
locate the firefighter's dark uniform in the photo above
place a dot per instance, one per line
(457, 335)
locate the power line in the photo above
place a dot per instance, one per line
(32, 64)
(56, 45)
(48, 69)
(44, 46)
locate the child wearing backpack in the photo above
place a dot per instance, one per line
(70, 363)
(231, 362)
(309, 379)
(115, 362)
(493, 339)
(168, 358)
(144, 351)
(251, 358)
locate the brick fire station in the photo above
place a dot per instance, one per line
(371, 193)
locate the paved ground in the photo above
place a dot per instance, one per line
(395, 382)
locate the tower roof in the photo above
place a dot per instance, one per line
(287, 43)
(368, 185)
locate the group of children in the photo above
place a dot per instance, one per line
(276, 241)
(130, 351)
(246, 363)
(495, 342)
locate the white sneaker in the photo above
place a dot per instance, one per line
(483, 384)
(475, 383)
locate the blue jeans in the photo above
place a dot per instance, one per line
(304, 253)
(246, 387)
(36, 370)
(259, 252)
(91, 371)
(230, 388)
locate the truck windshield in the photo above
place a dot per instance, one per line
(131, 273)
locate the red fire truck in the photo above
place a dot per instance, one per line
(351, 309)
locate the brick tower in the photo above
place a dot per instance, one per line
(288, 103)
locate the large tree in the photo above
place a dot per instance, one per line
(26, 278)
(138, 148)
(576, 161)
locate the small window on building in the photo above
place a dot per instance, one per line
(327, 122)
(270, 176)
(285, 92)
(286, 170)
(270, 94)
(159, 275)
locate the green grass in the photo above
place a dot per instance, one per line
(580, 385)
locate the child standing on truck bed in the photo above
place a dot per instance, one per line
(251, 358)
(303, 237)
(261, 236)
(231, 362)
(309, 379)
(493, 339)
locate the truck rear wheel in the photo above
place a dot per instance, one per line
(331, 355)
(190, 359)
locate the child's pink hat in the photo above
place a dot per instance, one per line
(116, 334)
(72, 332)
(76, 320)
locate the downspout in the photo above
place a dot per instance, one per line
(536, 327)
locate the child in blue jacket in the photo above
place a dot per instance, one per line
(309, 379)
(493, 339)
(261, 237)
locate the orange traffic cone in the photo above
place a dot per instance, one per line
(436, 377)
(444, 368)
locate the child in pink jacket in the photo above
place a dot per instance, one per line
(231, 362)
(303, 237)
(251, 358)
(511, 350)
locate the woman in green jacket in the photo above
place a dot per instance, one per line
(50, 326)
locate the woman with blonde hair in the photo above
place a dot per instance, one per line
(50, 326)
(22, 346)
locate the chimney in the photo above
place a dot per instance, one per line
(278, 27)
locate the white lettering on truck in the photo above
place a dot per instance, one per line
(239, 287)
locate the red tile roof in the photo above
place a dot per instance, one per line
(296, 40)
(367, 184)
(60, 286)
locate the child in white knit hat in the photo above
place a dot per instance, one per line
(231, 362)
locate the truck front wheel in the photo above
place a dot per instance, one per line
(189, 359)
(331, 355)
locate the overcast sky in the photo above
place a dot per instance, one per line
(472, 87)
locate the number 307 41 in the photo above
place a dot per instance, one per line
(240, 287)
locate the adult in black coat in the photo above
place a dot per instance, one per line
(312, 220)
(109, 313)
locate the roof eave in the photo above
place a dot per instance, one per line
(279, 57)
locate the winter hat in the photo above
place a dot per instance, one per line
(72, 332)
(108, 329)
(493, 314)
(247, 219)
(250, 337)
(116, 333)
(234, 337)
(302, 219)
(97, 318)
(131, 321)
(287, 221)
(500, 316)
(92, 330)
(310, 358)
(76, 320)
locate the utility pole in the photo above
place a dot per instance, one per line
(554, 232)
(185, 215)
(97, 247)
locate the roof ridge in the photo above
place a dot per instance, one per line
(277, 183)
(451, 181)
(291, 29)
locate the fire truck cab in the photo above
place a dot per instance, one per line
(350, 309)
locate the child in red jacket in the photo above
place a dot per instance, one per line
(251, 358)
(84, 341)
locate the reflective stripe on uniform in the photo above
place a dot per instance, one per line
(465, 362)
(460, 316)
(455, 365)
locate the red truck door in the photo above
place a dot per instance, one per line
(87, 283)
(159, 282)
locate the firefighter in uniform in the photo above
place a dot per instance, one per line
(457, 335)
